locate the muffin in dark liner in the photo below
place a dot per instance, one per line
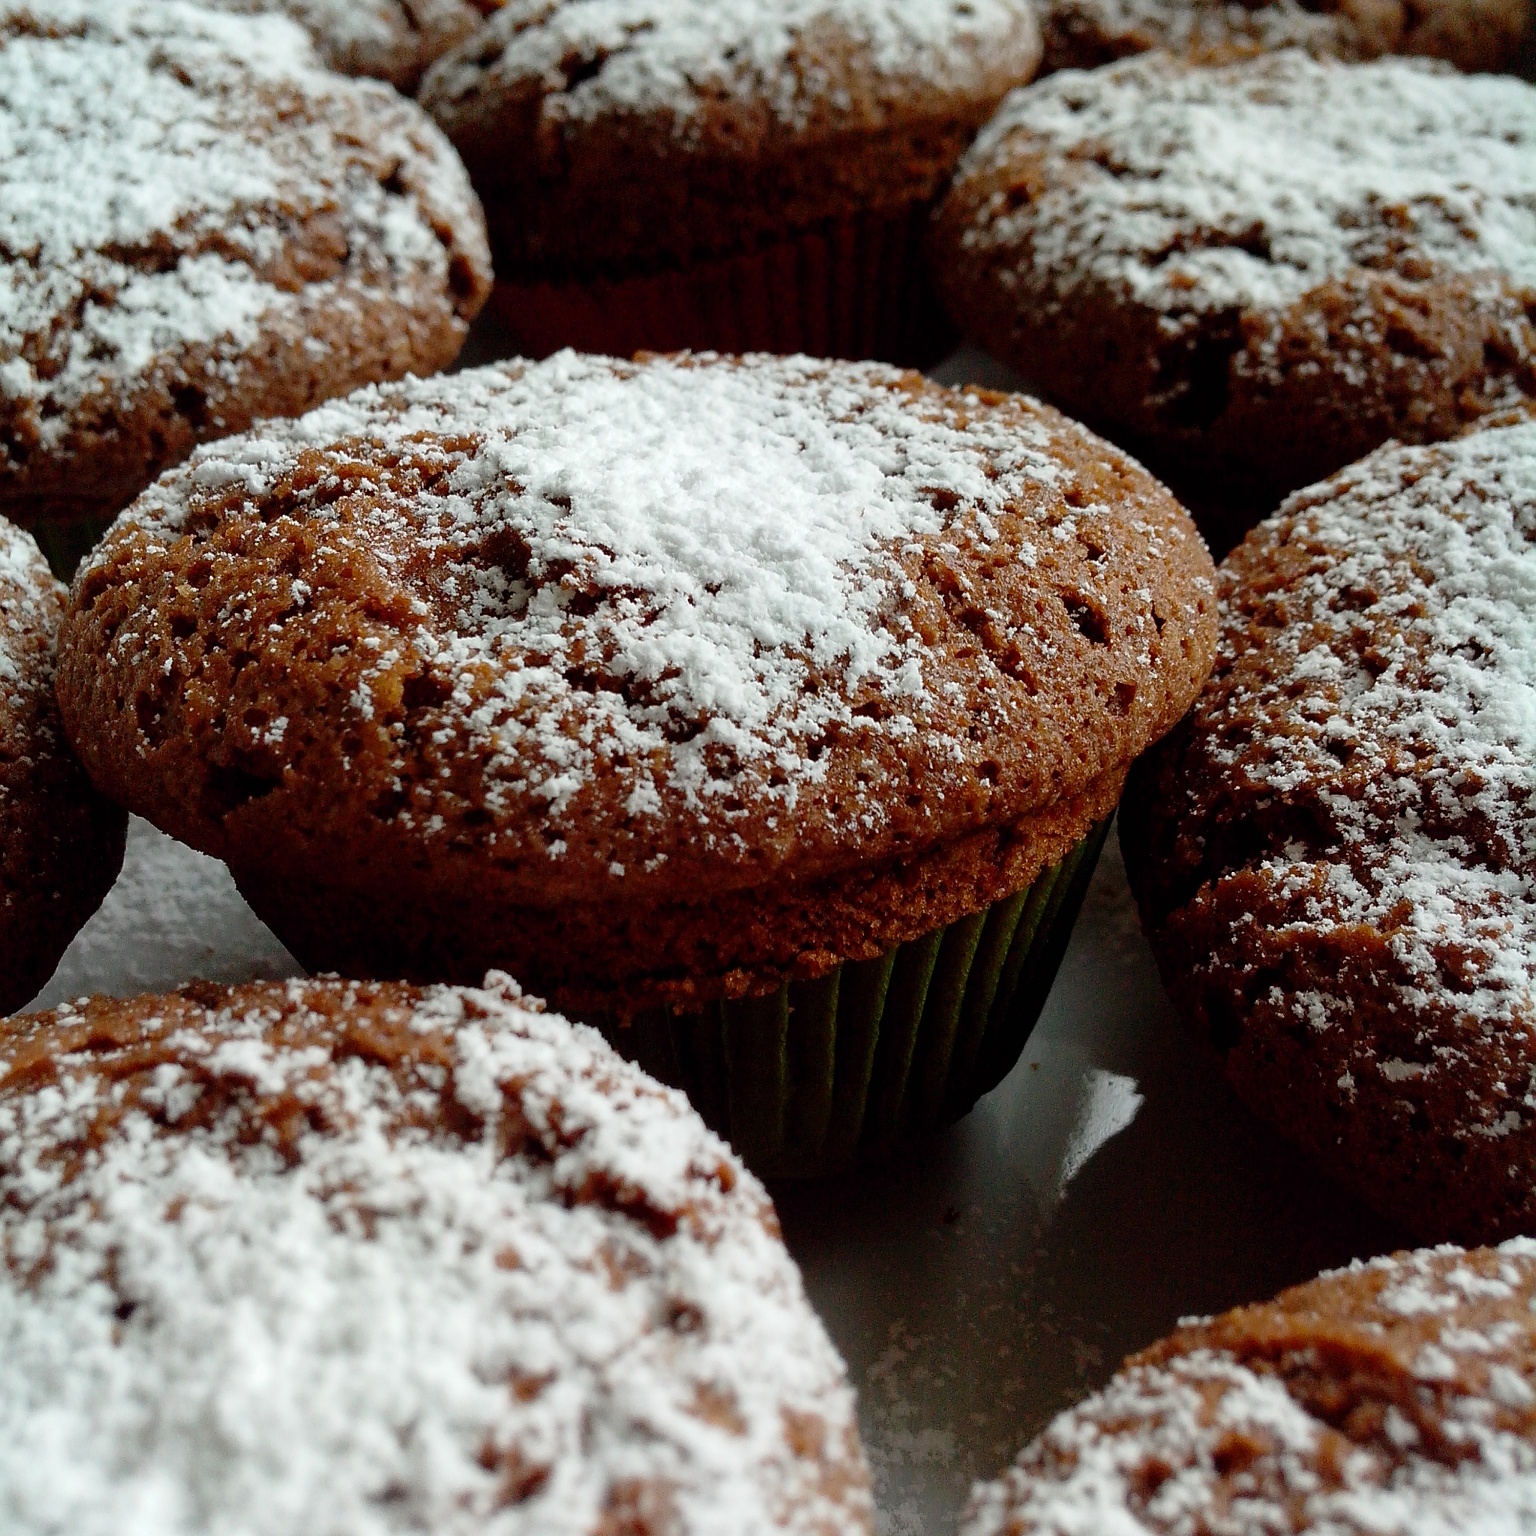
(773, 692)
(822, 1076)
(731, 175)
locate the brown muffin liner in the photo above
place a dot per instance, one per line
(855, 287)
(824, 1076)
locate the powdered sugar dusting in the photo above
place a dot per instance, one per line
(1197, 190)
(29, 604)
(604, 57)
(152, 158)
(697, 559)
(281, 1294)
(1409, 679)
(392, 39)
(1208, 1441)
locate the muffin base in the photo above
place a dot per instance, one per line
(855, 287)
(826, 1075)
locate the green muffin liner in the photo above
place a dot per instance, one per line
(66, 542)
(823, 1076)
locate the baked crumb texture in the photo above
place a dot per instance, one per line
(610, 137)
(305, 1256)
(629, 649)
(61, 844)
(200, 225)
(393, 40)
(1335, 854)
(1471, 34)
(1255, 274)
(1395, 1398)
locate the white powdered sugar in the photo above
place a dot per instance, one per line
(1194, 190)
(153, 158)
(570, 1314)
(388, 38)
(29, 604)
(606, 57)
(1204, 1444)
(1407, 685)
(703, 560)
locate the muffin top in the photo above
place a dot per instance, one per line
(328, 1256)
(198, 224)
(1195, 191)
(61, 845)
(649, 131)
(1472, 34)
(1258, 273)
(1367, 746)
(683, 618)
(1335, 854)
(1395, 1397)
(394, 40)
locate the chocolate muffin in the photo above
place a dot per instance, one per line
(392, 40)
(1335, 855)
(761, 698)
(1395, 1398)
(202, 226)
(1471, 34)
(326, 1256)
(737, 174)
(61, 844)
(1255, 274)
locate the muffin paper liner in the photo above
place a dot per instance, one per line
(855, 287)
(825, 1075)
(65, 542)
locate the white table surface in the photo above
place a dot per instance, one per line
(999, 1271)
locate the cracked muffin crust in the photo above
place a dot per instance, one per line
(1335, 854)
(393, 40)
(1471, 34)
(324, 1255)
(61, 844)
(1395, 1398)
(745, 175)
(1255, 274)
(244, 234)
(650, 682)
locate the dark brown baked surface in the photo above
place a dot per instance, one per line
(645, 134)
(296, 1251)
(1252, 275)
(1335, 854)
(244, 234)
(1396, 1398)
(1471, 34)
(393, 40)
(631, 635)
(61, 844)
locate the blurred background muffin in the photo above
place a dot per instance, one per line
(1252, 275)
(730, 174)
(393, 40)
(202, 226)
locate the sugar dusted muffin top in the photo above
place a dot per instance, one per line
(1335, 853)
(200, 225)
(1396, 1398)
(663, 621)
(327, 1256)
